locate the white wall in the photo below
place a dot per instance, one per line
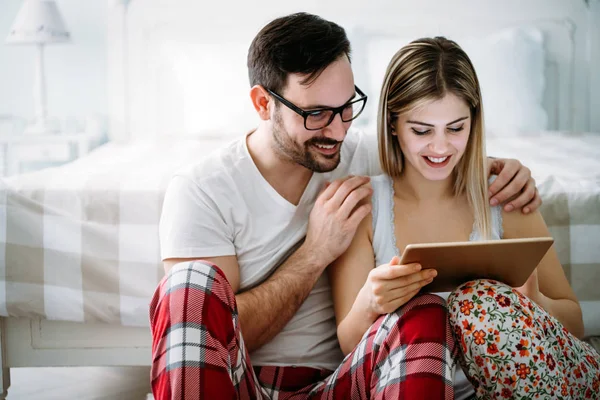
(137, 111)
(75, 71)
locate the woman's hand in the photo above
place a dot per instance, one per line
(389, 286)
(531, 289)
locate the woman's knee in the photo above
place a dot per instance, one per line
(464, 302)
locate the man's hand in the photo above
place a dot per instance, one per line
(513, 186)
(336, 215)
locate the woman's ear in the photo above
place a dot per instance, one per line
(390, 124)
(393, 129)
(261, 100)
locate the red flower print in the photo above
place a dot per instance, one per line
(584, 368)
(592, 361)
(503, 300)
(528, 321)
(479, 361)
(564, 391)
(492, 348)
(523, 370)
(506, 393)
(479, 337)
(466, 306)
(490, 291)
(458, 334)
(550, 362)
(467, 289)
(510, 381)
(480, 293)
(577, 373)
(522, 347)
(468, 327)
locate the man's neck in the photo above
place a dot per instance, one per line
(414, 187)
(287, 177)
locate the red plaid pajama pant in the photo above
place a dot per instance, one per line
(198, 350)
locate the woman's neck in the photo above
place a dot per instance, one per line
(414, 187)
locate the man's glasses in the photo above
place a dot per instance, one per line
(319, 118)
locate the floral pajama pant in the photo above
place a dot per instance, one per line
(512, 349)
(198, 351)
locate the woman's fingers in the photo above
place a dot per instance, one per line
(403, 291)
(399, 302)
(388, 299)
(393, 271)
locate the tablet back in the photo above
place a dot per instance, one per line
(508, 260)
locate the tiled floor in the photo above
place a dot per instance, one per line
(89, 383)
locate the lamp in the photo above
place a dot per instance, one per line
(38, 22)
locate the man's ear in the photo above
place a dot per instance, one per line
(261, 100)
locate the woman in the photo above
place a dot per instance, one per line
(512, 343)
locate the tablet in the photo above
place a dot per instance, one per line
(510, 261)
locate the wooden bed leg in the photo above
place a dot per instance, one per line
(4, 370)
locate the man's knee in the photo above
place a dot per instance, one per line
(188, 288)
(197, 273)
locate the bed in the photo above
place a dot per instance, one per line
(79, 256)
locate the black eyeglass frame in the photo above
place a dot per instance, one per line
(336, 110)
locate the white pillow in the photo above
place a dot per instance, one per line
(510, 65)
(209, 85)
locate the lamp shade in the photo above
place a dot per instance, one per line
(38, 21)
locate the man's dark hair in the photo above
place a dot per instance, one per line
(298, 43)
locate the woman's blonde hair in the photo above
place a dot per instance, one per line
(419, 73)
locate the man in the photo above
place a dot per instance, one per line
(247, 233)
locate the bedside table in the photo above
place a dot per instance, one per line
(28, 152)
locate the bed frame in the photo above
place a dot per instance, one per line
(132, 26)
(42, 343)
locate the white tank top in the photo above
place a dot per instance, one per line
(384, 247)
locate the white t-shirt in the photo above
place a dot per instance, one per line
(223, 206)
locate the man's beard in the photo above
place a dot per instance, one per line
(301, 154)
